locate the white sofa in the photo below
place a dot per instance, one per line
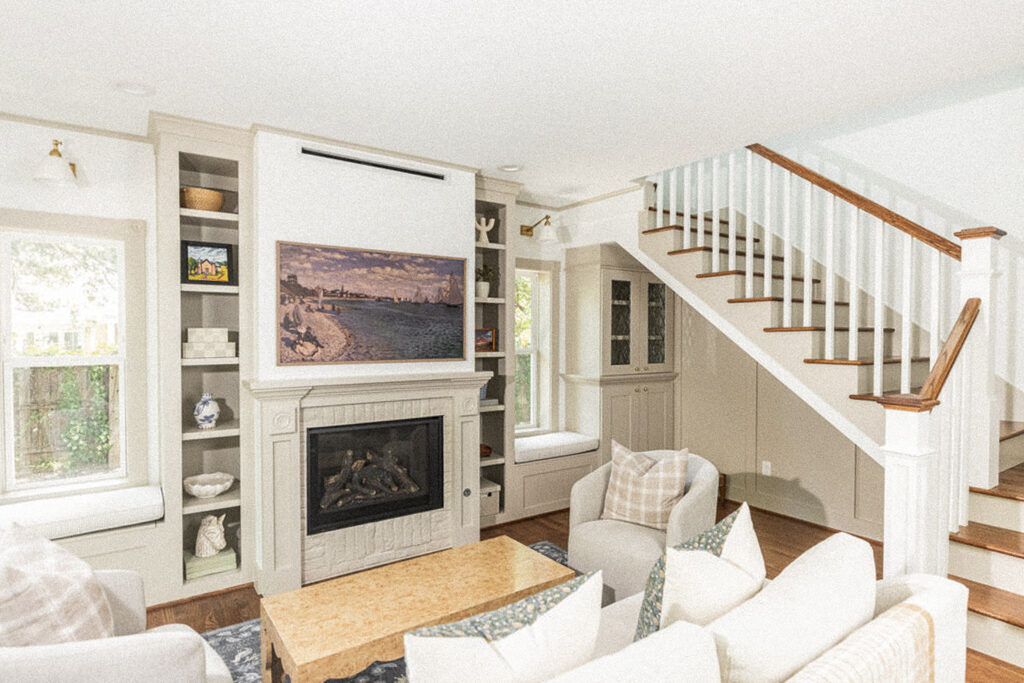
(167, 654)
(689, 652)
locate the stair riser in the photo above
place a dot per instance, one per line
(865, 345)
(778, 267)
(995, 638)
(1011, 452)
(817, 313)
(777, 288)
(986, 566)
(723, 241)
(996, 511)
(890, 376)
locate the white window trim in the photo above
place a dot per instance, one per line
(546, 347)
(132, 373)
(531, 350)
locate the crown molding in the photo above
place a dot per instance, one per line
(88, 130)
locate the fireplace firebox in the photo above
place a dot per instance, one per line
(373, 471)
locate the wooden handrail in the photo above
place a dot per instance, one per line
(928, 397)
(918, 232)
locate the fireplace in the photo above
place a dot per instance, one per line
(368, 472)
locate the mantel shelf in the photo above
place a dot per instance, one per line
(231, 498)
(223, 430)
(209, 219)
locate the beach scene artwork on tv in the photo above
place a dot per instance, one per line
(343, 305)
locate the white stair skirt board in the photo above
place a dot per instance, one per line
(986, 566)
(996, 511)
(995, 638)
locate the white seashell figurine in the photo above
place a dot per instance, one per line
(207, 411)
(210, 539)
(484, 226)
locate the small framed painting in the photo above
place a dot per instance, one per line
(485, 339)
(208, 263)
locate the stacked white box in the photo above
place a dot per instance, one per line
(208, 342)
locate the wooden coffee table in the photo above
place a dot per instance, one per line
(339, 627)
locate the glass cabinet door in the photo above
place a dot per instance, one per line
(656, 323)
(621, 316)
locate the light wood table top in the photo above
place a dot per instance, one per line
(339, 627)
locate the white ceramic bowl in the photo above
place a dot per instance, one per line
(208, 485)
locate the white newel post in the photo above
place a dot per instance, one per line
(981, 420)
(915, 503)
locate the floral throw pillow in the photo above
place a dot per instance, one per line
(703, 578)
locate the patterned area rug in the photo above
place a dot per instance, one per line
(239, 645)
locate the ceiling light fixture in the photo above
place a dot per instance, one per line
(133, 88)
(510, 168)
(54, 168)
(546, 233)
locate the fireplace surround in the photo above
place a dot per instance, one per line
(369, 472)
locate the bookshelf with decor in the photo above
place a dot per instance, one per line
(206, 350)
(495, 264)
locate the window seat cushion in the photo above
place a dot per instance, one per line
(86, 512)
(553, 445)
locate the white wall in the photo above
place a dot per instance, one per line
(299, 198)
(116, 179)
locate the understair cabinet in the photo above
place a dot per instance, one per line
(619, 350)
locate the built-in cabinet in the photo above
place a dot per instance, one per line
(620, 366)
(496, 200)
(211, 157)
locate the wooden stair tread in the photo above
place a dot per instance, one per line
(996, 539)
(693, 216)
(760, 299)
(1011, 484)
(710, 233)
(993, 602)
(872, 397)
(743, 272)
(821, 328)
(885, 361)
(694, 250)
(1008, 429)
(983, 667)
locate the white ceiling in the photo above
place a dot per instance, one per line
(584, 95)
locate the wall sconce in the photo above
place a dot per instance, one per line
(546, 233)
(55, 168)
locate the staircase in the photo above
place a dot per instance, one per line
(856, 308)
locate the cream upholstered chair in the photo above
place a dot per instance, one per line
(625, 552)
(166, 654)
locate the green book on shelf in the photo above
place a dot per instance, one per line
(201, 566)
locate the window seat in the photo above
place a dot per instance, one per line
(86, 512)
(553, 445)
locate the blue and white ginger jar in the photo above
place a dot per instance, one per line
(207, 411)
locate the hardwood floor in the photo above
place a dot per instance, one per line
(782, 539)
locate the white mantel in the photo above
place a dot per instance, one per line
(287, 558)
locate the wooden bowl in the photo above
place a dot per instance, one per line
(201, 198)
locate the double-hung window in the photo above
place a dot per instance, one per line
(73, 378)
(535, 345)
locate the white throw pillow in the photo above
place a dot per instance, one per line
(820, 598)
(533, 639)
(47, 595)
(701, 579)
(643, 489)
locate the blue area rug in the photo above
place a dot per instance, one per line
(239, 645)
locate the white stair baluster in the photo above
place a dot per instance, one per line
(732, 210)
(700, 203)
(905, 313)
(687, 223)
(716, 200)
(748, 222)
(659, 201)
(879, 315)
(673, 193)
(787, 252)
(808, 255)
(830, 277)
(766, 220)
(853, 278)
(934, 340)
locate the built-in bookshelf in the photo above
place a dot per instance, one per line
(495, 199)
(217, 159)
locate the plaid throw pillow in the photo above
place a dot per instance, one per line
(643, 489)
(47, 595)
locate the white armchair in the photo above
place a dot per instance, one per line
(166, 654)
(625, 552)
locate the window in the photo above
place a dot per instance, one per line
(534, 341)
(65, 359)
